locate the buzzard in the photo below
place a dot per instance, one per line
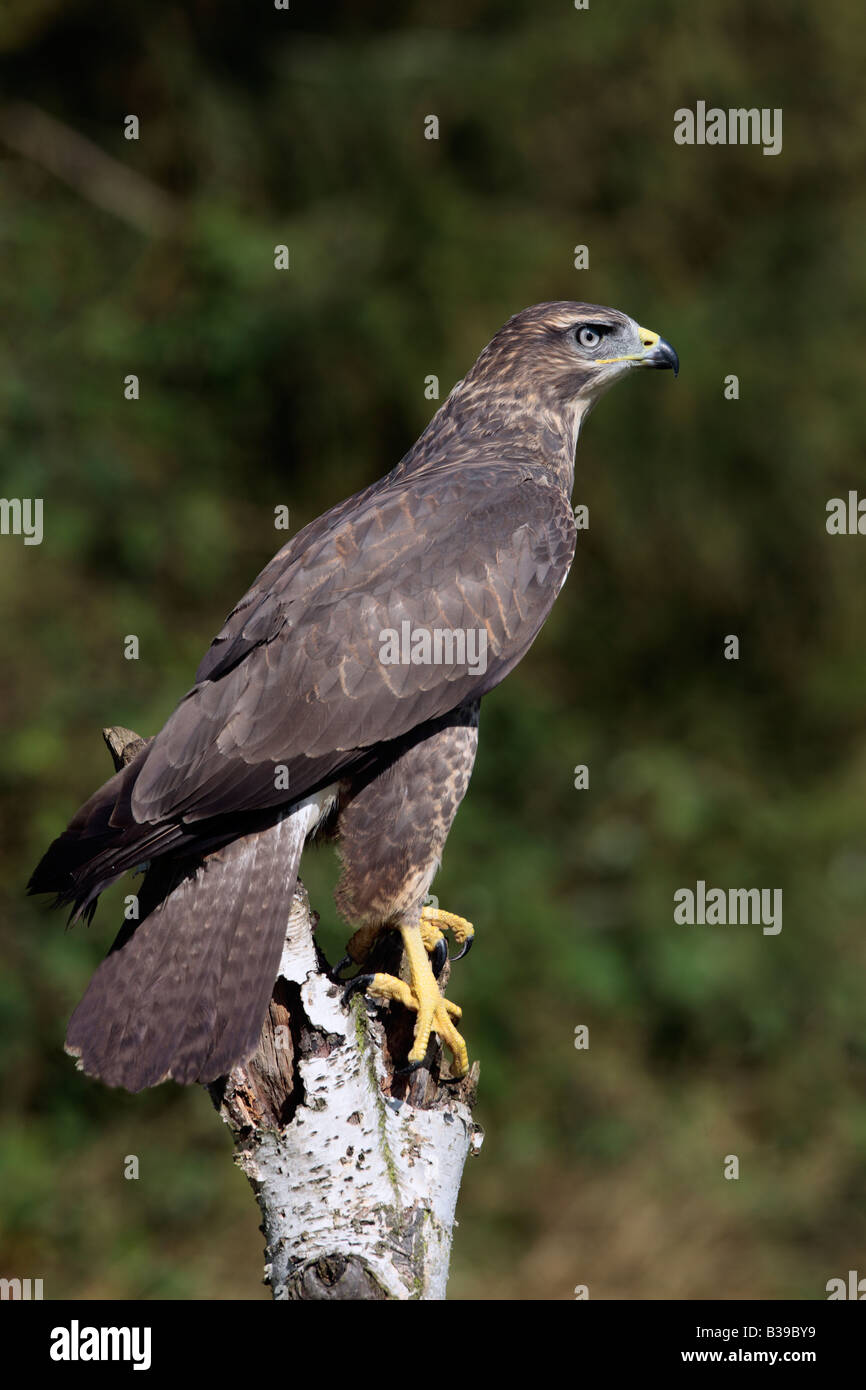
(341, 698)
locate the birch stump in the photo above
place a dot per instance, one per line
(355, 1164)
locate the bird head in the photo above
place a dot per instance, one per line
(538, 378)
(564, 354)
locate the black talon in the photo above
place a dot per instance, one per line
(409, 1068)
(467, 947)
(340, 967)
(438, 956)
(360, 982)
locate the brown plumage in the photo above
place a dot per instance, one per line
(295, 719)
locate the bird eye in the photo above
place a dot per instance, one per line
(588, 337)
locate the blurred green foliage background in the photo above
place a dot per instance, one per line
(707, 518)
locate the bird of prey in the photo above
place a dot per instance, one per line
(341, 697)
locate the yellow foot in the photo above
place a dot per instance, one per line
(423, 995)
(433, 919)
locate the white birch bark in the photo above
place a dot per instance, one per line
(358, 1184)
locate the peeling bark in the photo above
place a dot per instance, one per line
(356, 1170)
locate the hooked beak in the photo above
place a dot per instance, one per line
(657, 353)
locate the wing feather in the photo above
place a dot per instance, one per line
(295, 677)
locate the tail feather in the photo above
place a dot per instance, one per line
(184, 992)
(101, 842)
